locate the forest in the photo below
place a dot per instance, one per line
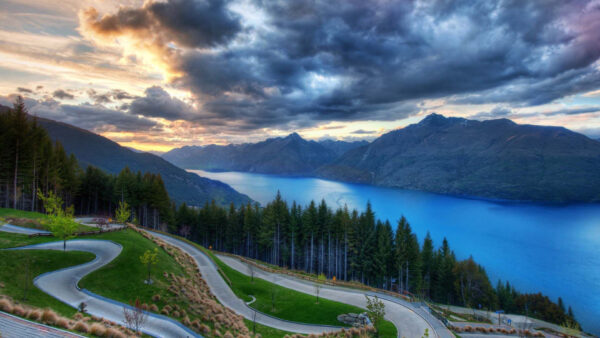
(29, 161)
(345, 244)
(354, 246)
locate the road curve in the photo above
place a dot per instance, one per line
(406, 320)
(62, 285)
(225, 295)
(17, 327)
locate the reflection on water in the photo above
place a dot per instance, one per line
(552, 249)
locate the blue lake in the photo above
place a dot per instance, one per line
(551, 249)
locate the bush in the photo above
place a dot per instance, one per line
(112, 333)
(19, 311)
(6, 305)
(49, 317)
(35, 315)
(97, 330)
(64, 323)
(81, 327)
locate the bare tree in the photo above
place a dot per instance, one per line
(251, 271)
(318, 287)
(135, 317)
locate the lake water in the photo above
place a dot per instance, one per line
(551, 249)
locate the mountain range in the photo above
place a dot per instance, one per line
(291, 155)
(495, 159)
(98, 151)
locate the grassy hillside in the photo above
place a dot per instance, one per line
(19, 268)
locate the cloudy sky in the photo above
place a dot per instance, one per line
(161, 74)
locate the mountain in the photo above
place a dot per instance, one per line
(341, 147)
(291, 155)
(493, 159)
(98, 151)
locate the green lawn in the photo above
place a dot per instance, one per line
(34, 220)
(123, 278)
(15, 278)
(289, 304)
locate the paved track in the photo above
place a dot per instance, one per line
(225, 295)
(16, 327)
(407, 321)
(62, 285)
(21, 230)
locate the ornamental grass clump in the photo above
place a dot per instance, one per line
(81, 327)
(49, 317)
(97, 330)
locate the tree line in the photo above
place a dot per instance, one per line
(354, 246)
(344, 244)
(30, 161)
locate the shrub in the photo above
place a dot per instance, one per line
(153, 308)
(6, 305)
(165, 311)
(78, 316)
(156, 298)
(97, 330)
(64, 323)
(204, 329)
(228, 335)
(175, 314)
(19, 311)
(35, 314)
(49, 316)
(81, 327)
(112, 333)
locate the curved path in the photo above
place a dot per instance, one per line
(21, 230)
(16, 327)
(408, 322)
(225, 295)
(62, 285)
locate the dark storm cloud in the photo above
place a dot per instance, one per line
(503, 112)
(190, 23)
(364, 132)
(24, 90)
(158, 103)
(61, 94)
(92, 117)
(315, 60)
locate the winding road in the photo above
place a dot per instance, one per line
(225, 295)
(62, 285)
(410, 320)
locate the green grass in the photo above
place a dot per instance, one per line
(293, 310)
(10, 240)
(123, 278)
(14, 276)
(33, 220)
(289, 304)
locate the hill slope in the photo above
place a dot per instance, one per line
(291, 155)
(342, 147)
(493, 159)
(98, 151)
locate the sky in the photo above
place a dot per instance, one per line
(155, 75)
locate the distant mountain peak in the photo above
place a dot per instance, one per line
(294, 136)
(438, 120)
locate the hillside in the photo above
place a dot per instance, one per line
(98, 151)
(492, 159)
(341, 147)
(291, 155)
